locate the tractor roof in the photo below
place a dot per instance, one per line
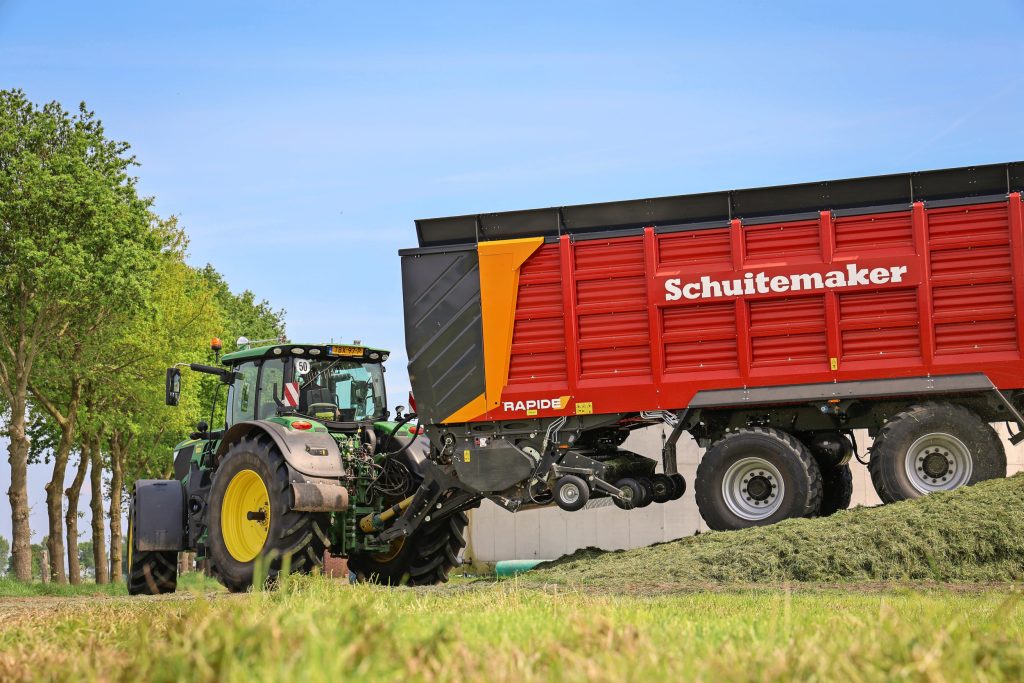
(354, 351)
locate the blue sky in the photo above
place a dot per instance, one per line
(298, 141)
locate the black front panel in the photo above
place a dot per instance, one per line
(443, 329)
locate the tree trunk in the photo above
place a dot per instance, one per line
(17, 450)
(117, 451)
(71, 519)
(44, 565)
(55, 487)
(99, 542)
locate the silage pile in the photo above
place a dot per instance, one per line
(975, 534)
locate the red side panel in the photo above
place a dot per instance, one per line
(623, 324)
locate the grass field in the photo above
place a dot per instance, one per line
(316, 630)
(920, 591)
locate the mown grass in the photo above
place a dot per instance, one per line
(314, 629)
(974, 534)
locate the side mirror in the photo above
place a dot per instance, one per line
(173, 387)
(398, 411)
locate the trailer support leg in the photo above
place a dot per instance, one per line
(669, 461)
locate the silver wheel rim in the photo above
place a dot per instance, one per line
(569, 494)
(938, 462)
(753, 489)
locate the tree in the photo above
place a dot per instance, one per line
(77, 243)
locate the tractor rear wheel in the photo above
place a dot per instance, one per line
(149, 573)
(423, 559)
(252, 526)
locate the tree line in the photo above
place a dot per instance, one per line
(96, 301)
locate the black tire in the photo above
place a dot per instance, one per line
(294, 539)
(424, 559)
(679, 482)
(149, 573)
(647, 497)
(960, 437)
(632, 489)
(836, 489)
(663, 488)
(828, 448)
(571, 493)
(776, 461)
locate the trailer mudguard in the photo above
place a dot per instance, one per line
(315, 454)
(159, 515)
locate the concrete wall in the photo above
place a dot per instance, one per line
(495, 534)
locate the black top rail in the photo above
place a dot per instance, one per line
(891, 191)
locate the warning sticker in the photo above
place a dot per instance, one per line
(291, 394)
(584, 408)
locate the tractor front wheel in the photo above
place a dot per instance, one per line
(253, 530)
(423, 559)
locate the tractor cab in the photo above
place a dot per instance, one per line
(339, 386)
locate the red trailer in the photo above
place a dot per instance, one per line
(767, 323)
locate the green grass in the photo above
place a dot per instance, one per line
(919, 591)
(9, 588)
(974, 534)
(314, 630)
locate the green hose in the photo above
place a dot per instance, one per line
(507, 568)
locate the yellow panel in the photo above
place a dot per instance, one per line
(499, 286)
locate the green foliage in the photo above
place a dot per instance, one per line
(314, 629)
(5, 553)
(86, 560)
(972, 534)
(78, 242)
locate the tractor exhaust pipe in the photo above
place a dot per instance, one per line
(314, 496)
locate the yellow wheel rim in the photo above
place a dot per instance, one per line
(245, 516)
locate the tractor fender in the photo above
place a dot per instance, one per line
(159, 515)
(315, 454)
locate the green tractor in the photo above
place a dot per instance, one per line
(308, 461)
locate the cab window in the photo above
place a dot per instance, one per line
(271, 387)
(242, 405)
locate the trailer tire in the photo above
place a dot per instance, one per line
(828, 449)
(423, 559)
(664, 487)
(149, 573)
(571, 493)
(754, 477)
(631, 489)
(836, 489)
(934, 446)
(290, 538)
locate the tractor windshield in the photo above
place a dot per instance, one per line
(338, 389)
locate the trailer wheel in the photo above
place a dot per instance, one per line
(571, 493)
(934, 447)
(252, 524)
(832, 451)
(648, 492)
(663, 487)
(836, 489)
(756, 476)
(149, 573)
(423, 559)
(631, 492)
(679, 483)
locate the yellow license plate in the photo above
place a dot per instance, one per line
(346, 350)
